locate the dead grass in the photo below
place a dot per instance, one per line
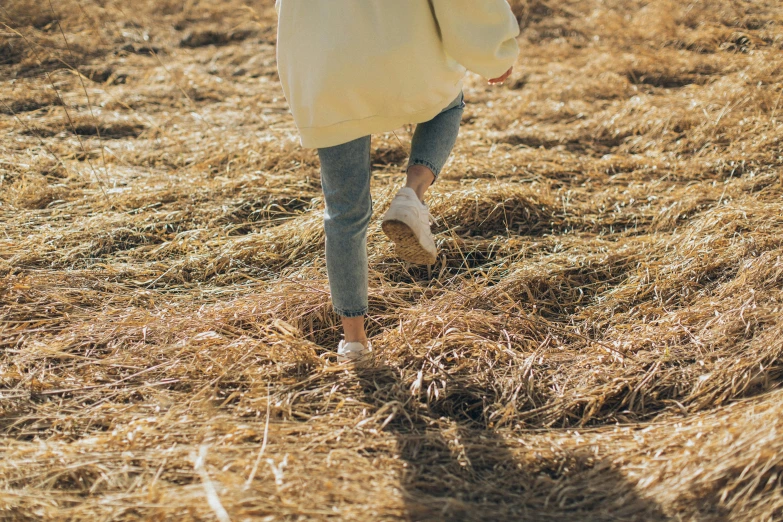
(600, 338)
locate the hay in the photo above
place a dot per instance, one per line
(599, 339)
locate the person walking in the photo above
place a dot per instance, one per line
(353, 68)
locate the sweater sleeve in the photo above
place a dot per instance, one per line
(479, 34)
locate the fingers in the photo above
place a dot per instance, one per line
(501, 79)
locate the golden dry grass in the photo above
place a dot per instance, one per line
(599, 340)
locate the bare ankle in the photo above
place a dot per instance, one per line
(419, 178)
(363, 340)
(353, 330)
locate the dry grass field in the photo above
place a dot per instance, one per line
(601, 338)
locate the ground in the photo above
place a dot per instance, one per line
(600, 338)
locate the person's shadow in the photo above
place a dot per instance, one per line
(458, 469)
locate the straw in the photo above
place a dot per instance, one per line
(600, 338)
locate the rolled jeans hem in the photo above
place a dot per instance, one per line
(350, 313)
(425, 163)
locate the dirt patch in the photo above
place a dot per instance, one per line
(213, 37)
(86, 127)
(29, 104)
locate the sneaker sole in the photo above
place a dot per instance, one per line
(406, 245)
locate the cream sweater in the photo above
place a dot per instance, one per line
(350, 68)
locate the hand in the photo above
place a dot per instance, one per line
(501, 79)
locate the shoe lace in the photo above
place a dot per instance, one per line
(429, 218)
(404, 197)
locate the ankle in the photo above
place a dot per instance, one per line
(419, 189)
(353, 330)
(419, 178)
(351, 339)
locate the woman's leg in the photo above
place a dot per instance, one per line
(407, 222)
(345, 178)
(431, 146)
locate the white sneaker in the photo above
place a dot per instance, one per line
(407, 223)
(355, 352)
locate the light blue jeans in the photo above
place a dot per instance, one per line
(345, 178)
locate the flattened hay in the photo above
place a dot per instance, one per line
(600, 338)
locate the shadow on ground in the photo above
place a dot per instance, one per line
(457, 469)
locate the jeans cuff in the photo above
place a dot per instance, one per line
(350, 313)
(433, 168)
